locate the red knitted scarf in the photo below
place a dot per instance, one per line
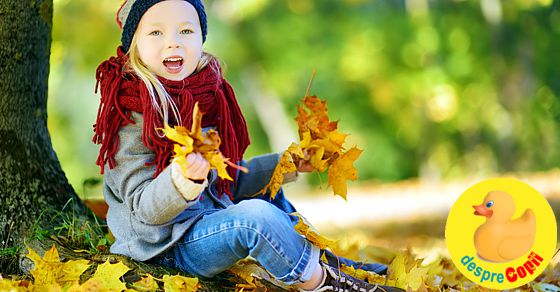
(123, 92)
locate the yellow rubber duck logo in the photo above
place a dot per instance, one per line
(501, 238)
(508, 241)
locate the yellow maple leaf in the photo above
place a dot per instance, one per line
(108, 275)
(50, 272)
(316, 158)
(250, 270)
(408, 273)
(219, 162)
(371, 277)
(11, 285)
(71, 272)
(285, 165)
(306, 229)
(88, 286)
(343, 169)
(180, 135)
(147, 283)
(46, 269)
(194, 141)
(179, 283)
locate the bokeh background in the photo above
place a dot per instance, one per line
(433, 91)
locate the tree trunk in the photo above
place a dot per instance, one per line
(32, 183)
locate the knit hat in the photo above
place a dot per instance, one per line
(132, 11)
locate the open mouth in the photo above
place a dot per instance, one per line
(173, 64)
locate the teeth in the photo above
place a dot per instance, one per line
(173, 59)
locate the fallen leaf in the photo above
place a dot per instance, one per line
(50, 273)
(371, 277)
(108, 275)
(147, 283)
(10, 285)
(179, 283)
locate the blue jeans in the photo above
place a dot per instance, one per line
(259, 228)
(253, 228)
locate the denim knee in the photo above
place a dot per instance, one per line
(257, 213)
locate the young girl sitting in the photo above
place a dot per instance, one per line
(191, 220)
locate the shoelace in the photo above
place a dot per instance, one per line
(341, 284)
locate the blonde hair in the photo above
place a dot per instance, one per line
(160, 98)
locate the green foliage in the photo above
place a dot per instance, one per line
(75, 231)
(445, 90)
(80, 233)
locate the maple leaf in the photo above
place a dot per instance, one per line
(207, 145)
(342, 169)
(147, 283)
(249, 271)
(108, 275)
(50, 272)
(321, 147)
(47, 268)
(306, 229)
(285, 165)
(90, 285)
(179, 283)
(409, 273)
(371, 277)
(10, 285)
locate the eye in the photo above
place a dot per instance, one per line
(489, 204)
(155, 33)
(187, 31)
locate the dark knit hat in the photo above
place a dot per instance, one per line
(131, 12)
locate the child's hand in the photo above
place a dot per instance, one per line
(197, 167)
(303, 164)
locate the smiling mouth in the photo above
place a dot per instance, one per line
(173, 64)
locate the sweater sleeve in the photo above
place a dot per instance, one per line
(151, 200)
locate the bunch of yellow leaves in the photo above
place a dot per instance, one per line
(320, 146)
(208, 145)
(50, 274)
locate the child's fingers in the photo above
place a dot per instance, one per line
(198, 166)
(191, 157)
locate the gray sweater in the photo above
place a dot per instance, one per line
(147, 215)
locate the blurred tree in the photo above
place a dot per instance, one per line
(32, 183)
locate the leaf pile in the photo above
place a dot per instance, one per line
(321, 145)
(194, 141)
(50, 274)
(405, 271)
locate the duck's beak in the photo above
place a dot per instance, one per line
(482, 211)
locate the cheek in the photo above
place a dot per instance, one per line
(146, 52)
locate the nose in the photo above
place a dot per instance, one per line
(173, 42)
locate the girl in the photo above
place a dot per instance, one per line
(190, 220)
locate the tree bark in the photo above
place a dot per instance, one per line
(32, 183)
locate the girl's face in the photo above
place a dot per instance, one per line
(169, 39)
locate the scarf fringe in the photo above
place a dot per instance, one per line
(122, 93)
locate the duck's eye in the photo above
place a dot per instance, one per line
(489, 204)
